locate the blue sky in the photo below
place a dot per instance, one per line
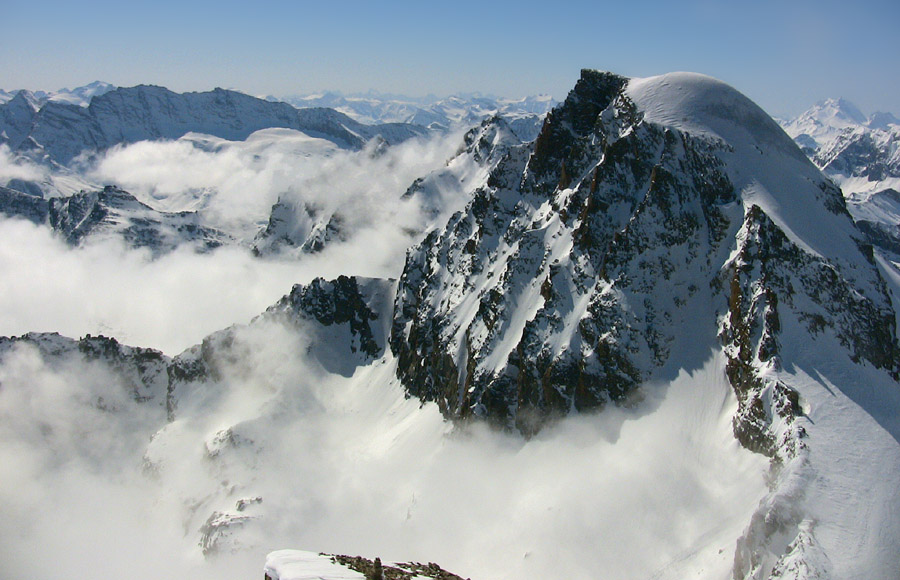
(784, 54)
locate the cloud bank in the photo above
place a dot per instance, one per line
(349, 465)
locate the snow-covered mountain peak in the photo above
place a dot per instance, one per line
(702, 105)
(839, 111)
(862, 156)
(542, 297)
(81, 96)
(825, 121)
(764, 164)
(882, 120)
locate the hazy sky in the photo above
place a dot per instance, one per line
(785, 54)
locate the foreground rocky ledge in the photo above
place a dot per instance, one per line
(300, 565)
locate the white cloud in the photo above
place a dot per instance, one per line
(15, 167)
(235, 183)
(350, 465)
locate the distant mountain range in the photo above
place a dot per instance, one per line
(428, 111)
(80, 96)
(62, 131)
(861, 154)
(370, 108)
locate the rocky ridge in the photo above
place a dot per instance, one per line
(558, 289)
(113, 213)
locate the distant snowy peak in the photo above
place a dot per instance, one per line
(828, 119)
(825, 120)
(862, 155)
(80, 96)
(127, 115)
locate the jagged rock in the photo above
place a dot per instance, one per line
(115, 211)
(563, 284)
(348, 301)
(15, 203)
(298, 565)
(571, 249)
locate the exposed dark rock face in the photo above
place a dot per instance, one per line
(337, 302)
(375, 570)
(114, 210)
(574, 233)
(15, 203)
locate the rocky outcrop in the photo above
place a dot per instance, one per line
(14, 203)
(521, 308)
(141, 371)
(342, 317)
(297, 564)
